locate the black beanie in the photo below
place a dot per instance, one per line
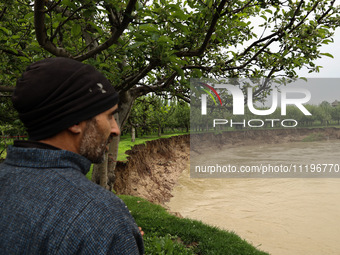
(56, 93)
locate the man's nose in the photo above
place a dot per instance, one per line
(115, 130)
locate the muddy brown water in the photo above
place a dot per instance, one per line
(278, 215)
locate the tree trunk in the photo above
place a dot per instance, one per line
(106, 171)
(125, 105)
(112, 158)
(99, 173)
(133, 134)
(103, 173)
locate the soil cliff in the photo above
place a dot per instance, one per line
(152, 169)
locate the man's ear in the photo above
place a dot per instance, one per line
(77, 128)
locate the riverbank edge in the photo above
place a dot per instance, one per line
(152, 169)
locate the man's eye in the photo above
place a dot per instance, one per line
(112, 116)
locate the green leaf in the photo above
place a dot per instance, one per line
(5, 30)
(76, 30)
(327, 54)
(139, 5)
(327, 41)
(95, 27)
(136, 45)
(69, 3)
(29, 16)
(179, 70)
(154, 36)
(165, 39)
(148, 27)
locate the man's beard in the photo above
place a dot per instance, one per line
(92, 145)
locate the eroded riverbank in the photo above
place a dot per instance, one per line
(153, 169)
(281, 216)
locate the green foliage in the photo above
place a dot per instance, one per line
(167, 234)
(166, 31)
(158, 46)
(314, 137)
(151, 113)
(167, 245)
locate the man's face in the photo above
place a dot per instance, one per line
(97, 135)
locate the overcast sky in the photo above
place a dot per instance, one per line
(331, 66)
(325, 85)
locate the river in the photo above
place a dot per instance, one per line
(281, 216)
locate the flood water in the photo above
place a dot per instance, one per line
(278, 215)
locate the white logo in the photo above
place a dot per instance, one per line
(101, 88)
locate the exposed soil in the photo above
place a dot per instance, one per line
(260, 136)
(152, 170)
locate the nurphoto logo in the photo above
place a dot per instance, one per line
(264, 128)
(243, 99)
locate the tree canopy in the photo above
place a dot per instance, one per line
(157, 46)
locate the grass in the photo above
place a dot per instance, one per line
(3, 147)
(314, 137)
(168, 234)
(3, 152)
(125, 144)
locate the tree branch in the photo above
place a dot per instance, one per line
(115, 36)
(133, 80)
(204, 68)
(210, 31)
(17, 53)
(280, 33)
(69, 17)
(326, 13)
(51, 5)
(239, 9)
(40, 31)
(166, 82)
(54, 6)
(3, 12)
(6, 88)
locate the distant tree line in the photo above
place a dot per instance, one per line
(323, 114)
(152, 114)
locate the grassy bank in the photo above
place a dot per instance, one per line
(168, 234)
(125, 143)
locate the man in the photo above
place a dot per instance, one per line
(47, 204)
